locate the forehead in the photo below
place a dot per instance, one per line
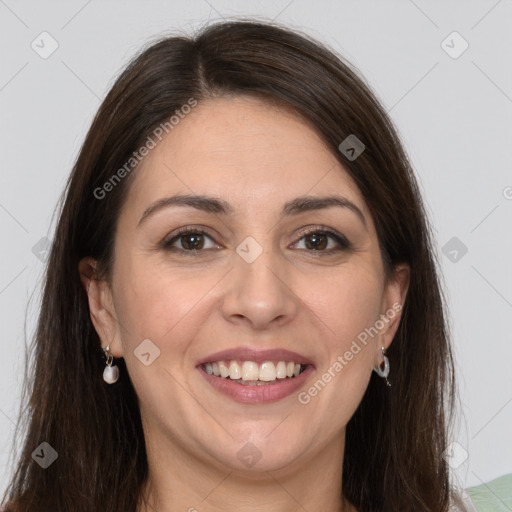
(244, 150)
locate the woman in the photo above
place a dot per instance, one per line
(241, 307)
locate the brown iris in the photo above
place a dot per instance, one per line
(316, 241)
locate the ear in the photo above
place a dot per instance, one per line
(101, 306)
(393, 300)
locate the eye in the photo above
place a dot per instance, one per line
(317, 240)
(323, 240)
(189, 240)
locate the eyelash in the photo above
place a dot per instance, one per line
(345, 245)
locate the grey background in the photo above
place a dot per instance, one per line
(454, 115)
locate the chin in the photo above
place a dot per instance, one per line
(261, 454)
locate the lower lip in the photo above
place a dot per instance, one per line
(266, 393)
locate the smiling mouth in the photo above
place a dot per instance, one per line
(251, 373)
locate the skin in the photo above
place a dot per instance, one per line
(256, 157)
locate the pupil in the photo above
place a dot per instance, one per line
(192, 241)
(316, 241)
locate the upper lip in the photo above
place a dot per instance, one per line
(256, 355)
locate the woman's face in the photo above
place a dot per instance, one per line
(261, 277)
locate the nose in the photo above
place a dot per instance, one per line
(260, 294)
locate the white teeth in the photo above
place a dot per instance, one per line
(281, 370)
(234, 371)
(268, 371)
(253, 372)
(250, 370)
(224, 369)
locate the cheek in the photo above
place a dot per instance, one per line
(347, 305)
(153, 303)
(346, 301)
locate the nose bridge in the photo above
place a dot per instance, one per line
(258, 290)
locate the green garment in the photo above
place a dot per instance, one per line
(493, 496)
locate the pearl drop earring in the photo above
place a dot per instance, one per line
(110, 373)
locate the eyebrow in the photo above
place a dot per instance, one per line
(219, 206)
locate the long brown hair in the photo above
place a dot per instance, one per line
(394, 441)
